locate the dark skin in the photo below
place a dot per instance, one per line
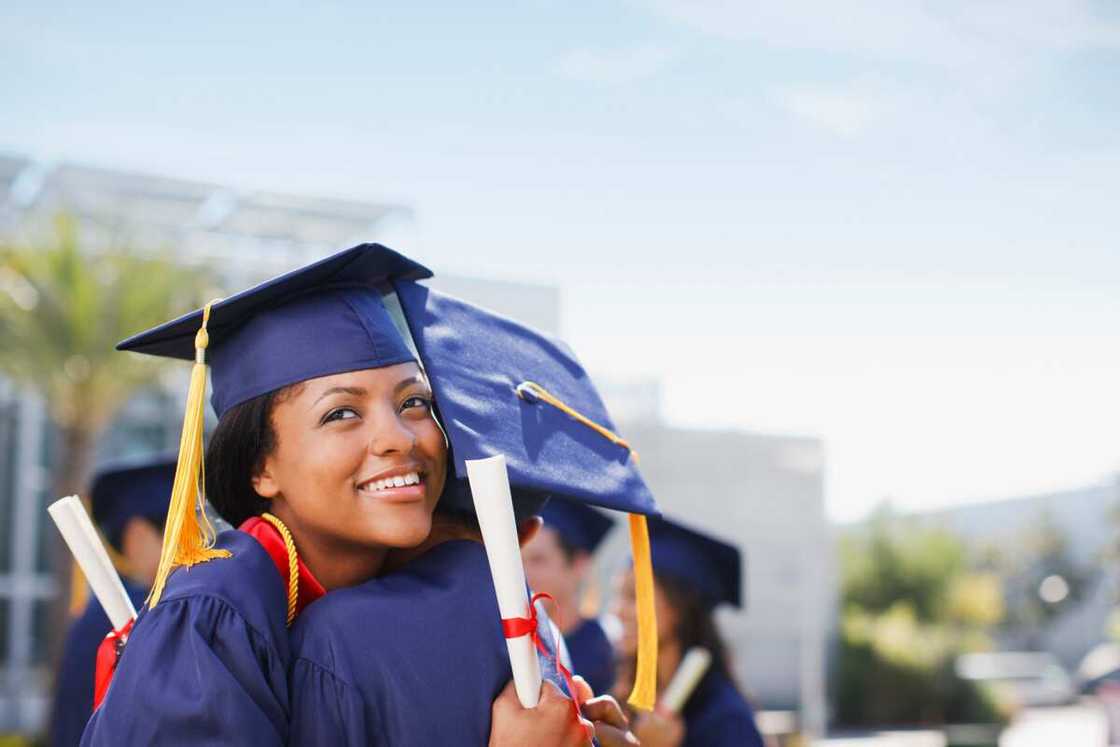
(339, 438)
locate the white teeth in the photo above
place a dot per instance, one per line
(398, 481)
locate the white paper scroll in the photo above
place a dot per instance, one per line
(88, 550)
(494, 506)
(692, 667)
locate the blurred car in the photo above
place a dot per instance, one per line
(1100, 667)
(1019, 679)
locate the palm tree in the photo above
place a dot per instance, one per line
(62, 309)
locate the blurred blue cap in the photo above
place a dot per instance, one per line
(125, 489)
(580, 526)
(321, 319)
(698, 560)
(476, 362)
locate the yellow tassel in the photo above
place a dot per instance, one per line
(644, 693)
(188, 537)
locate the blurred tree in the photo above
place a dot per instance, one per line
(910, 606)
(1041, 580)
(62, 311)
(63, 308)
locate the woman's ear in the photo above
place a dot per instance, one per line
(528, 529)
(264, 483)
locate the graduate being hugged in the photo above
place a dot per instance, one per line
(432, 675)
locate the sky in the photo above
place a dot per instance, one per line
(892, 227)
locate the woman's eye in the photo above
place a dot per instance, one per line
(417, 401)
(342, 413)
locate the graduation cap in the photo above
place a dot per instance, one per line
(698, 561)
(124, 489)
(503, 388)
(321, 319)
(580, 526)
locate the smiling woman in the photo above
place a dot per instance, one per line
(352, 464)
(326, 456)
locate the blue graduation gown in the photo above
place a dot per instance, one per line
(73, 687)
(592, 655)
(208, 665)
(718, 716)
(413, 658)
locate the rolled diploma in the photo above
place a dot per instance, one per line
(81, 537)
(494, 506)
(686, 678)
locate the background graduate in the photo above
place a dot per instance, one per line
(694, 574)
(129, 502)
(429, 677)
(558, 561)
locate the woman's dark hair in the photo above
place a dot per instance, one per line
(243, 438)
(696, 623)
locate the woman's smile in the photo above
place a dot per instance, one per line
(403, 484)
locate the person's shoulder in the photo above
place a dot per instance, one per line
(246, 582)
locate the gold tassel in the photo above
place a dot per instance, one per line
(644, 693)
(189, 536)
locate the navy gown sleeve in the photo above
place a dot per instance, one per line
(73, 694)
(208, 665)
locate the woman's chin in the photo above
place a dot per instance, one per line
(402, 534)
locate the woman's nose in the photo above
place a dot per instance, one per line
(391, 436)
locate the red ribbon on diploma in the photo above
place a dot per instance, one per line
(515, 627)
(108, 654)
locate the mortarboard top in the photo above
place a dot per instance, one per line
(703, 562)
(580, 526)
(476, 361)
(315, 321)
(503, 388)
(124, 489)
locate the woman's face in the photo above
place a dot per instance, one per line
(624, 610)
(359, 460)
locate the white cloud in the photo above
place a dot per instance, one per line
(615, 66)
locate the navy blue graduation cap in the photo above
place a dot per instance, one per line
(496, 383)
(125, 489)
(325, 318)
(318, 320)
(698, 560)
(581, 527)
(503, 388)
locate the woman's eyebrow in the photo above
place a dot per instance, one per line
(404, 383)
(356, 391)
